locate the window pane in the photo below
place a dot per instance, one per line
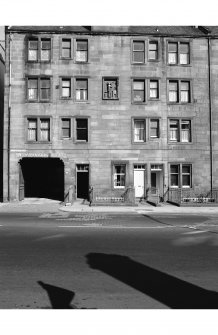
(32, 130)
(44, 129)
(174, 180)
(82, 130)
(174, 130)
(138, 57)
(186, 169)
(184, 48)
(81, 45)
(81, 84)
(66, 128)
(184, 59)
(45, 83)
(139, 131)
(174, 169)
(138, 46)
(138, 85)
(154, 128)
(186, 180)
(153, 50)
(172, 47)
(66, 91)
(32, 89)
(33, 50)
(66, 44)
(172, 58)
(154, 89)
(81, 56)
(119, 175)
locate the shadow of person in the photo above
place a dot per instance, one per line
(167, 289)
(60, 298)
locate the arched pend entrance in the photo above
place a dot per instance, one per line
(41, 178)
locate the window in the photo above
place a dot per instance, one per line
(38, 89)
(38, 129)
(39, 50)
(33, 50)
(173, 91)
(154, 89)
(180, 130)
(179, 91)
(184, 55)
(66, 48)
(174, 175)
(138, 52)
(65, 87)
(178, 53)
(181, 175)
(82, 50)
(153, 50)
(119, 175)
(45, 50)
(82, 130)
(81, 89)
(154, 128)
(186, 175)
(110, 88)
(44, 89)
(139, 130)
(185, 91)
(66, 127)
(138, 91)
(32, 89)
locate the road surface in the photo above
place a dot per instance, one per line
(98, 261)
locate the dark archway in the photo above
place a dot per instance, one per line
(41, 178)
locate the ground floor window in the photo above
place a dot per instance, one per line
(119, 175)
(181, 175)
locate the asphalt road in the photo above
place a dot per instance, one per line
(98, 261)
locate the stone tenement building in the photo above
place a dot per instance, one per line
(120, 108)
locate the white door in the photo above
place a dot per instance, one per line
(139, 182)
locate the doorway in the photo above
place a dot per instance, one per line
(139, 180)
(41, 178)
(82, 181)
(157, 180)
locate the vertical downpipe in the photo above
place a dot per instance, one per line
(9, 116)
(210, 111)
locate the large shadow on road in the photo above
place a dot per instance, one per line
(171, 291)
(60, 298)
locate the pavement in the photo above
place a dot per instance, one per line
(42, 205)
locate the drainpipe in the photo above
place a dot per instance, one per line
(210, 116)
(9, 115)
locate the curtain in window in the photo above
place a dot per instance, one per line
(138, 91)
(81, 89)
(185, 91)
(32, 129)
(32, 89)
(185, 131)
(154, 89)
(174, 130)
(33, 50)
(173, 91)
(81, 51)
(44, 129)
(184, 53)
(139, 131)
(172, 53)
